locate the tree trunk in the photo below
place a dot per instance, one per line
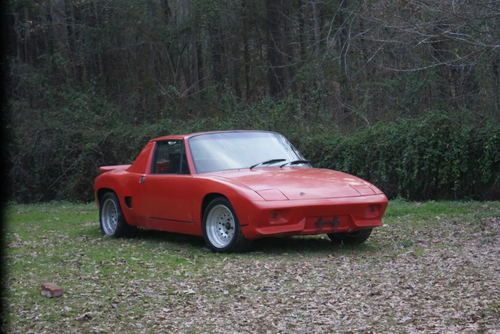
(216, 52)
(274, 58)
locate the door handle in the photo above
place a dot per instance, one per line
(142, 179)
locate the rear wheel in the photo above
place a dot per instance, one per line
(221, 228)
(350, 238)
(111, 219)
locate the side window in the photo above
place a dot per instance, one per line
(170, 158)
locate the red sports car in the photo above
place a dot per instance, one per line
(232, 187)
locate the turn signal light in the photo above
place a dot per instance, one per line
(277, 217)
(372, 211)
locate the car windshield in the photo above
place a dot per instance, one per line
(232, 150)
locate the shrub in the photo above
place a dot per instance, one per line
(432, 157)
(56, 154)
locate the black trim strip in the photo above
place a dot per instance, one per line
(171, 220)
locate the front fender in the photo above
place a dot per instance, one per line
(242, 198)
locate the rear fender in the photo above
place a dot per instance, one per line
(115, 182)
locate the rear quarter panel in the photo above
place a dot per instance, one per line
(122, 183)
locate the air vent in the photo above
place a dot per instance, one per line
(128, 201)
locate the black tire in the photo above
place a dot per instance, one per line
(351, 238)
(122, 228)
(238, 242)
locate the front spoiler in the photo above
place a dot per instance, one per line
(303, 217)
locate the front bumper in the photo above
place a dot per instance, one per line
(302, 217)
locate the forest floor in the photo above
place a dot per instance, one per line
(433, 267)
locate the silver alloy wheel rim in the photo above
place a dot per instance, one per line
(109, 216)
(220, 226)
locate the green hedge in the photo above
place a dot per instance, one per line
(436, 156)
(432, 157)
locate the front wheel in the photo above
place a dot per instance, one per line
(221, 228)
(350, 238)
(111, 219)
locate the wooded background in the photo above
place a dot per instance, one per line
(405, 93)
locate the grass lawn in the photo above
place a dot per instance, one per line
(434, 266)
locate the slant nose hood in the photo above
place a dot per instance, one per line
(300, 183)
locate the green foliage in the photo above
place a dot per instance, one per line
(435, 156)
(56, 153)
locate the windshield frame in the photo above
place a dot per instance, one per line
(192, 159)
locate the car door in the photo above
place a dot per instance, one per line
(166, 190)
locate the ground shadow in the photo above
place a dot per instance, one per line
(181, 240)
(270, 245)
(301, 245)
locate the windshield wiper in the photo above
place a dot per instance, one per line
(295, 162)
(267, 162)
